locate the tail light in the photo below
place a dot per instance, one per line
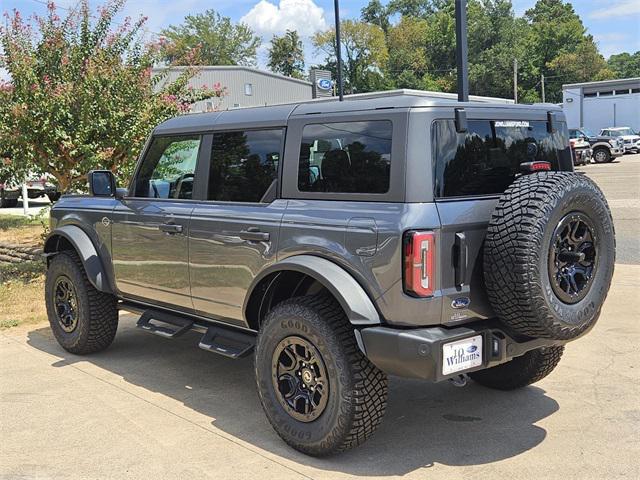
(419, 268)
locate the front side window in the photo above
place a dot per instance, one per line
(486, 159)
(346, 157)
(244, 165)
(168, 169)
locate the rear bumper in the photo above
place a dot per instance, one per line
(417, 353)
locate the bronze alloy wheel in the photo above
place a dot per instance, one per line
(66, 303)
(300, 378)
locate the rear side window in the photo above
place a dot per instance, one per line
(244, 165)
(345, 157)
(486, 159)
(168, 168)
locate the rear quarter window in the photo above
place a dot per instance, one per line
(486, 159)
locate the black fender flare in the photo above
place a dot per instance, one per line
(86, 250)
(355, 302)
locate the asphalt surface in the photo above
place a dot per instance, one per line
(149, 407)
(620, 182)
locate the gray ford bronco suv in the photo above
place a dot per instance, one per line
(341, 242)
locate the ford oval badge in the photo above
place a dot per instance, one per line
(461, 302)
(324, 84)
(471, 348)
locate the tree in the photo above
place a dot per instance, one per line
(377, 14)
(286, 55)
(81, 94)
(556, 37)
(625, 65)
(214, 39)
(365, 54)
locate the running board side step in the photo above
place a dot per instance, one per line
(230, 343)
(182, 324)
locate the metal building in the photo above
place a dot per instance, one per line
(246, 87)
(598, 105)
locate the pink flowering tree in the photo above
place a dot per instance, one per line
(81, 94)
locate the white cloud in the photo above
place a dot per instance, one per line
(618, 8)
(268, 19)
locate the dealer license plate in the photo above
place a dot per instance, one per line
(461, 355)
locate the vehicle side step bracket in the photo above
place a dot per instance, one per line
(232, 344)
(182, 324)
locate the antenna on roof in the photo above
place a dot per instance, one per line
(461, 50)
(338, 49)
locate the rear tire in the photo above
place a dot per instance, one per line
(520, 371)
(83, 319)
(348, 400)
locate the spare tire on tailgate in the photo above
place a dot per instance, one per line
(549, 255)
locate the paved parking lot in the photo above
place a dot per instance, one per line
(153, 408)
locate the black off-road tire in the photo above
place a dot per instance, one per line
(602, 155)
(520, 371)
(518, 249)
(357, 389)
(97, 313)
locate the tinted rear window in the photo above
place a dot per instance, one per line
(486, 159)
(345, 157)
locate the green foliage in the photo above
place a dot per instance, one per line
(210, 39)
(365, 54)
(8, 222)
(419, 36)
(286, 55)
(23, 271)
(82, 95)
(625, 65)
(377, 14)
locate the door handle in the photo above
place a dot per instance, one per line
(461, 258)
(170, 228)
(253, 234)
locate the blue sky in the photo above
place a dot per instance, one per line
(615, 24)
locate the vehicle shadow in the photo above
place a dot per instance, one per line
(425, 423)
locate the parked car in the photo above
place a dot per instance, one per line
(382, 236)
(630, 138)
(37, 187)
(581, 151)
(604, 148)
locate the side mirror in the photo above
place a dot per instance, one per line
(102, 183)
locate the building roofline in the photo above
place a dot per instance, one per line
(602, 83)
(234, 67)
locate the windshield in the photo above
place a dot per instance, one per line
(621, 132)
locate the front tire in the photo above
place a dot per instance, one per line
(83, 319)
(520, 371)
(602, 155)
(319, 392)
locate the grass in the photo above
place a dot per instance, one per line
(21, 230)
(21, 284)
(22, 302)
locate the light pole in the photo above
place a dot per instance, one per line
(338, 49)
(461, 50)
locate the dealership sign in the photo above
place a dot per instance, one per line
(324, 84)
